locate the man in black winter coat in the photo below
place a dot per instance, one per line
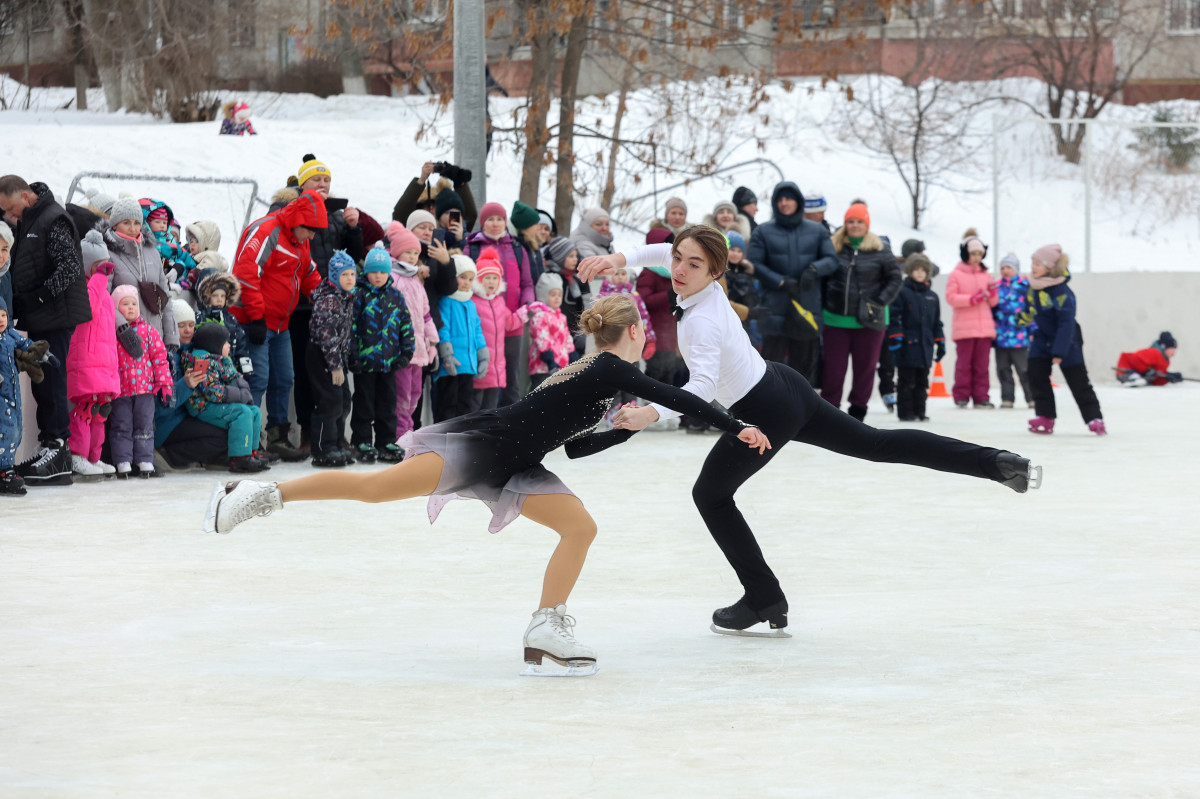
(747, 204)
(49, 299)
(791, 255)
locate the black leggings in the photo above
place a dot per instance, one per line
(784, 406)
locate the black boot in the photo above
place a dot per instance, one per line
(1017, 473)
(11, 483)
(50, 465)
(740, 615)
(277, 442)
(859, 412)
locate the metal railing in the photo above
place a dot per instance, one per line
(253, 184)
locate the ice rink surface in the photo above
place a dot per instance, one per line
(951, 638)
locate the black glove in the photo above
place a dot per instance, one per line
(256, 331)
(130, 340)
(548, 359)
(792, 286)
(1174, 377)
(941, 351)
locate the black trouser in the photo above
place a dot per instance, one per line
(802, 355)
(784, 406)
(1008, 360)
(512, 371)
(887, 370)
(194, 441)
(1077, 381)
(374, 409)
(911, 392)
(53, 413)
(485, 399)
(662, 366)
(329, 414)
(302, 394)
(453, 396)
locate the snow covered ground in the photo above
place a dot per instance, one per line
(951, 638)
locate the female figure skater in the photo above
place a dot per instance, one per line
(496, 456)
(724, 366)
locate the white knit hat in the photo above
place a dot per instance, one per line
(462, 263)
(419, 217)
(183, 312)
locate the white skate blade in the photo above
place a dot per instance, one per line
(1035, 477)
(749, 633)
(580, 668)
(210, 516)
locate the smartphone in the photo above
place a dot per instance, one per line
(202, 365)
(333, 204)
(455, 216)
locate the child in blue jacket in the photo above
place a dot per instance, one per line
(1057, 340)
(1013, 331)
(463, 349)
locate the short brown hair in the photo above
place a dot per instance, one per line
(12, 184)
(712, 242)
(607, 320)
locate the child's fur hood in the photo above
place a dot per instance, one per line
(220, 280)
(285, 195)
(227, 109)
(429, 193)
(870, 242)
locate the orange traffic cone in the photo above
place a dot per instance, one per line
(938, 387)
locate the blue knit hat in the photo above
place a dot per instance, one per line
(814, 202)
(339, 262)
(378, 260)
(735, 240)
(3, 305)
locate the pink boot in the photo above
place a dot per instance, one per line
(1041, 424)
(1097, 427)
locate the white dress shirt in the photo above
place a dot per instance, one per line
(722, 364)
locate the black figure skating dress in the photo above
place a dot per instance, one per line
(496, 455)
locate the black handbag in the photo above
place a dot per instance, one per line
(154, 299)
(871, 315)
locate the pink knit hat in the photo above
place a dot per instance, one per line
(400, 239)
(122, 291)
(492, 209)
(488, 263)
(1048, 254)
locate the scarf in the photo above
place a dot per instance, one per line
(137, 238)
(1043, 283)
(461, 296)
(855, 241)
(407, 270)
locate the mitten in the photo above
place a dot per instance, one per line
(130, 340)
(548, 359)
(1174, 377)
(940, 347)
(791, 285)
(649, 351)
(165, 398)
(105, 268)
(522, 314)
(895, 341)
(451, 364)
(256, 331)
(238, 392)
(484, 357)
(27, 362)
(979, 296)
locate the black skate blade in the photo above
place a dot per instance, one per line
(91, 478)
(210, 515)
(775, 633)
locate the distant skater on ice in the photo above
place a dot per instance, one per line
(724, 366)
(496, 456)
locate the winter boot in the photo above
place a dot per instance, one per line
(277, 442)
(1006, 404)
(333, 459)
(1018, 473)
(985, 404)
(1097, 427)
(50, 465)
(85, 470)
(262, 458)
(11, 483)
(305, 445)
(365, 453)
(550, 635)
(963, 404)
(245, 464)
(859, 412)
(889, 402)
(392, 453)
(244, 499)
(734, 619)
(1041, 424)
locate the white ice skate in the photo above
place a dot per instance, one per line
(549, 636)
(85, 470)
(234, 503)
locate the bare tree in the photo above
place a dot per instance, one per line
(1070, 46)
(920, 122)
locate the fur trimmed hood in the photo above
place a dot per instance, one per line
(220, 280)
(870, 242)
(429, 193)
(285, 195)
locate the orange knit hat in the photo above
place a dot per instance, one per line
(858, 211)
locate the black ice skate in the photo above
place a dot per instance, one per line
(50, 465)
(734, 619)
(1018, 473)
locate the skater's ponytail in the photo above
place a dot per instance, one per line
(609, 318)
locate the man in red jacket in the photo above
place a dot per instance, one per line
(274, 268)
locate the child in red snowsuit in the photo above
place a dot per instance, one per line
(1149, 366)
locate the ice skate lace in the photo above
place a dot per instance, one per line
(256, 504)
(563, 627)
(41, 457)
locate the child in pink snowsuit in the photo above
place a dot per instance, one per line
(550, 345)
(497, 322)
(620, 283)
(405, 250)
(93, 381)
(972, 294)
(145, 373)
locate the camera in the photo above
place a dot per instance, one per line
(455, 174)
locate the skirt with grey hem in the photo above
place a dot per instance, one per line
(472, 470)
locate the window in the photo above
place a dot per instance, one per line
(1183, 16)
(41, 17)
(241, 23)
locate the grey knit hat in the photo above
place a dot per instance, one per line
(125, 208)
(94, 249)
(558, 249)
(547, 283)
(1011, 260)
(99, 200)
